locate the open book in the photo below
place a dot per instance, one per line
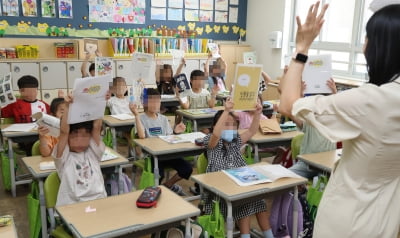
(245, 176)
(189, 137)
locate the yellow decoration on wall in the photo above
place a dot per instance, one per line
(182, 28)
(235, 29)
(225, 29)
(22, 27)
(208, 29)
(199, 30)
(191, 26)
(3, 24)
(217, 29)
(242, 32)
(42, 27)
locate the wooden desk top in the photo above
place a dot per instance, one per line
(261, 138)
(8, 231)
(220, 184)
(114, 122)
(32, 163)
(323, 160)
(157, 146)
(11, 134)
(119, 214)
(191, 116)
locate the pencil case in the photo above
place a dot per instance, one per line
(148, 198)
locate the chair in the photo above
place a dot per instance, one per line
(295, 145)
(202, 163)
(35, 148)
(51, 186)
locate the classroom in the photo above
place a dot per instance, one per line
(254, 118)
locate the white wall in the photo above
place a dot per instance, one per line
(263, 17)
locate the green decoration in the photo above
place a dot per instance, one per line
(48, 31)
(2, 31)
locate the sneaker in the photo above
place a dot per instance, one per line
(178, 190)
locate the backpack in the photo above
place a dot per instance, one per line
(112, 186)
(283, 157)
(281, 217)
(308, 223)
(196, 231)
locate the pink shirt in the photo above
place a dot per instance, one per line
(246, 118)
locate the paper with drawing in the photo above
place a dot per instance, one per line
(317, 71)
(245, 92)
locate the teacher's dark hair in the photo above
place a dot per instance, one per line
(382, 51)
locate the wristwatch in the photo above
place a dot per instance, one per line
(299, 57)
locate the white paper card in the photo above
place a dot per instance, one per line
(317, 71)
(143, 67)
(52, 123)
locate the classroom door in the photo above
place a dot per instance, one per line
(53, 77)
(20, 69)
(73, 72)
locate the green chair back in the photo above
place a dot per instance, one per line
(51, 186)
(202, 163)
(296, 144)
(36, 148)
(107, 111)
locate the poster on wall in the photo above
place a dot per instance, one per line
(207, 4)
(65, 9)
(192, 4)
(29, 8)
(221, 5)
(233, 14)
(48, 8)
(175, 3)
(122, 11)
(234, 2)
(206, 16)
(10, 8)
(158, 13)
(221, 17)
(191, 15)
(6, 92)
(175, 14)
(158, 3)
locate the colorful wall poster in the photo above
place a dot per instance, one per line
(175, 14)
(6, 92)
(29, 8)
(158, 3)
(103, 66)
(233, 14)
(191, 15)
(249, 57)
(207, 4)
(90, 46)
(206, 16)
(221, 5)
(221, 17)
(49, 8)
(65, 9)
(245, 92)
(158, 13)
(10, 8)
(122, 11)
(192, 4)
(175, 3)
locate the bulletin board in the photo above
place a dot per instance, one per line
(213, 19)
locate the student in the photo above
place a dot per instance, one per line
(26, 106)
(216, 73)
(47, 142)
(365, 184)
(153, 124)
(246, 117)
(223, 152)
(77, 159)
(92, 70)
(198, 96)
(119, 104)
(165, 77)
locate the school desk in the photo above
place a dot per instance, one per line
(8, 231)
(169, 101)
(220, 184)
(162, 150)
(119, 216)
(17, 137)
(32, 163)
(324, 161)
(260, 140)
(199, 116)
(116, 124)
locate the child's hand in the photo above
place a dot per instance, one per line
(215, 90)
(43, 130)
(332, 85)
(108, 95)
(180, 128)
(98, 53)
(258, 107)
(133, 108)
(68, 99)
(177, 92)
(87, 56)
(209, 55)
(229, 104)
(183, 61)
(61, 93)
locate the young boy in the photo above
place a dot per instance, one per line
(152, 124)
(198, 96)
(77, 158)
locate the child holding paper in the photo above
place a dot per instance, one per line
(77, 159)
(91, 67)
(216, 73)
(119, 104)
(165, 77)
(223, 152)
(47, 142)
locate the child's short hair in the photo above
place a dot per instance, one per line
(87, 125)
(218, 115)
(55, 103)
(28, 81)
(196, 73)
(118, 79)
(152, 92)
(91, 67)
(166, 67)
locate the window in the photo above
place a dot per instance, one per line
(342, 35)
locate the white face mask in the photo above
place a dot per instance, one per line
(229, 135)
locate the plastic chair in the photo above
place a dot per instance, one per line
(107, 111)
(202, 163)
(51, 186)
(35, 148)
(296, 144)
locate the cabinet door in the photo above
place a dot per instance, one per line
(53, 75)
(123, 68)
(4, 69)
(20, 69)
(229, 55)
(73, 72)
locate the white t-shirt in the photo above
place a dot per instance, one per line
(118, 105)
(80, 174)
(198, 100)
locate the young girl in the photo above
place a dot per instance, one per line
(216, 73)
(223, 152)
(77, 158)
(47, 142)
(119, 104)
(246, 117)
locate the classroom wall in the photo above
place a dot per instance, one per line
(263, 17)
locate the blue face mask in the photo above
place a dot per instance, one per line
(229, 135)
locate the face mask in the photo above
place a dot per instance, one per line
(228, 135)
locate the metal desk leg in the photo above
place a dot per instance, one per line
(42, 202)
(156, 172)
(295, 211)
(229, 220)
(195, 125)
(256, 156)
(187, 229)
(114, 138)
(12, 169)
